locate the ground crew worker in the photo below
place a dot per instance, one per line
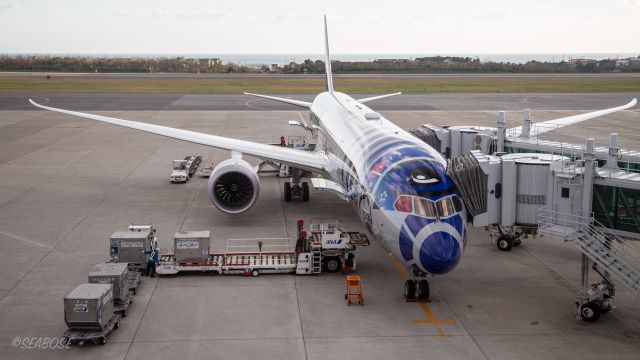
(152, 261)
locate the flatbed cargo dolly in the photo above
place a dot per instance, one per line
(243, 263)
(328, 248)
(133, 280)
(96, 335)
(121, 307)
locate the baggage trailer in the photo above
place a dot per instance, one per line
(88, 312)
(192, 163)
(133, 280)
(328, 248)
(207, 170)
(97, 336)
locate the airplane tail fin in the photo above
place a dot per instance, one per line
(327, 62)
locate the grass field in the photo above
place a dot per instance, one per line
(552, 84)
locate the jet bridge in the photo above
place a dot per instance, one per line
(504, 191)
(516, 195)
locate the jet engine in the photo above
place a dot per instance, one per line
(234, 186)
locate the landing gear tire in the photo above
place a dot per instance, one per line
(287, 191)
(332, 264)
(590, 312)
(305, 191)
(410, 290)
(423, 290)
(504, 243)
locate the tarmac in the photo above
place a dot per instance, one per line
(66, 184)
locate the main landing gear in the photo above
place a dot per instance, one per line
(508, 238)
(417, 289)
(296, 189)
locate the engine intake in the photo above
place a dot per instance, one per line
(234, 186)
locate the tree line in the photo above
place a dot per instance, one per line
(183, 65)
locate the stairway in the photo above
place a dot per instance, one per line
(316, 253)
(601, 245)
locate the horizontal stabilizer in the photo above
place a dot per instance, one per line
(303, 104)
(374, 98)
(551, 125)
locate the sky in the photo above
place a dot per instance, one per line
(289, 27)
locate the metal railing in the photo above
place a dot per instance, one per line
(600, 244)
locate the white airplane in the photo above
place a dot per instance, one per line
(397, 183)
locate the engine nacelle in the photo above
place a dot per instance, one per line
(234, 186)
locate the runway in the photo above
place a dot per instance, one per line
(240, 102)
(66, 184)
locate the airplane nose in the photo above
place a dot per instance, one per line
(439, 253)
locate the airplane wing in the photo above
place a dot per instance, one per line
(303, 104)
(546, 126)
(374, 98)
(306, 160)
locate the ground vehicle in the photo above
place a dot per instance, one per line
(179, 172)
(328, 248)
(192, 163)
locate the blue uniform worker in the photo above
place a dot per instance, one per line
(152, 261)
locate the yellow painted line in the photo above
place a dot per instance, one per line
(400, 268)
(248, 104)
(430, 317)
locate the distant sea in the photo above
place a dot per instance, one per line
(281, 59)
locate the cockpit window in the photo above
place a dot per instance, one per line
(424, 207)
(457, 203)
(419, 177)
(445, 207)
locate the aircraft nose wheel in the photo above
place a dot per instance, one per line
(410, 290)
(423, 290)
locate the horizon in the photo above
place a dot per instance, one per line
(198, 26)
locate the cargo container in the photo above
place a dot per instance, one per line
(191, 246)
(115, 274)
(129, 247)
(89, 307)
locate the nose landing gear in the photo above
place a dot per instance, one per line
(417, 289)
